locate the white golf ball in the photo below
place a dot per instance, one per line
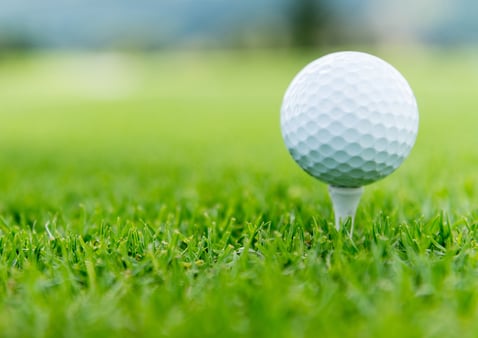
(349, 119)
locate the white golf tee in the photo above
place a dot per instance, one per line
(345, 202)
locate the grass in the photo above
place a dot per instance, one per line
(151, 195)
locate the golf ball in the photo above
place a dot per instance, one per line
(349, 119)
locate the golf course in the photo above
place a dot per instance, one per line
(152, 195)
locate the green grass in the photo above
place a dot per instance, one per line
(151, 195)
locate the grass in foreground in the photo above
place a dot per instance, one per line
(152, 196)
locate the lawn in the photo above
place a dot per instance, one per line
(152, 196)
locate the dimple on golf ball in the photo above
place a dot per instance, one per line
(349, 119)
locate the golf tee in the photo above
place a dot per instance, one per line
(345, 202)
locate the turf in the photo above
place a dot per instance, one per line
(151, 196)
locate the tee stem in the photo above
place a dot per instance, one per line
(345, 202)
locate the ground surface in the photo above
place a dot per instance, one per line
(133, 187)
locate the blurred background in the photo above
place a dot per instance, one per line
(182, 96)
(159, 24)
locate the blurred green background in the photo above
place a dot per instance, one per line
(196, 88)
